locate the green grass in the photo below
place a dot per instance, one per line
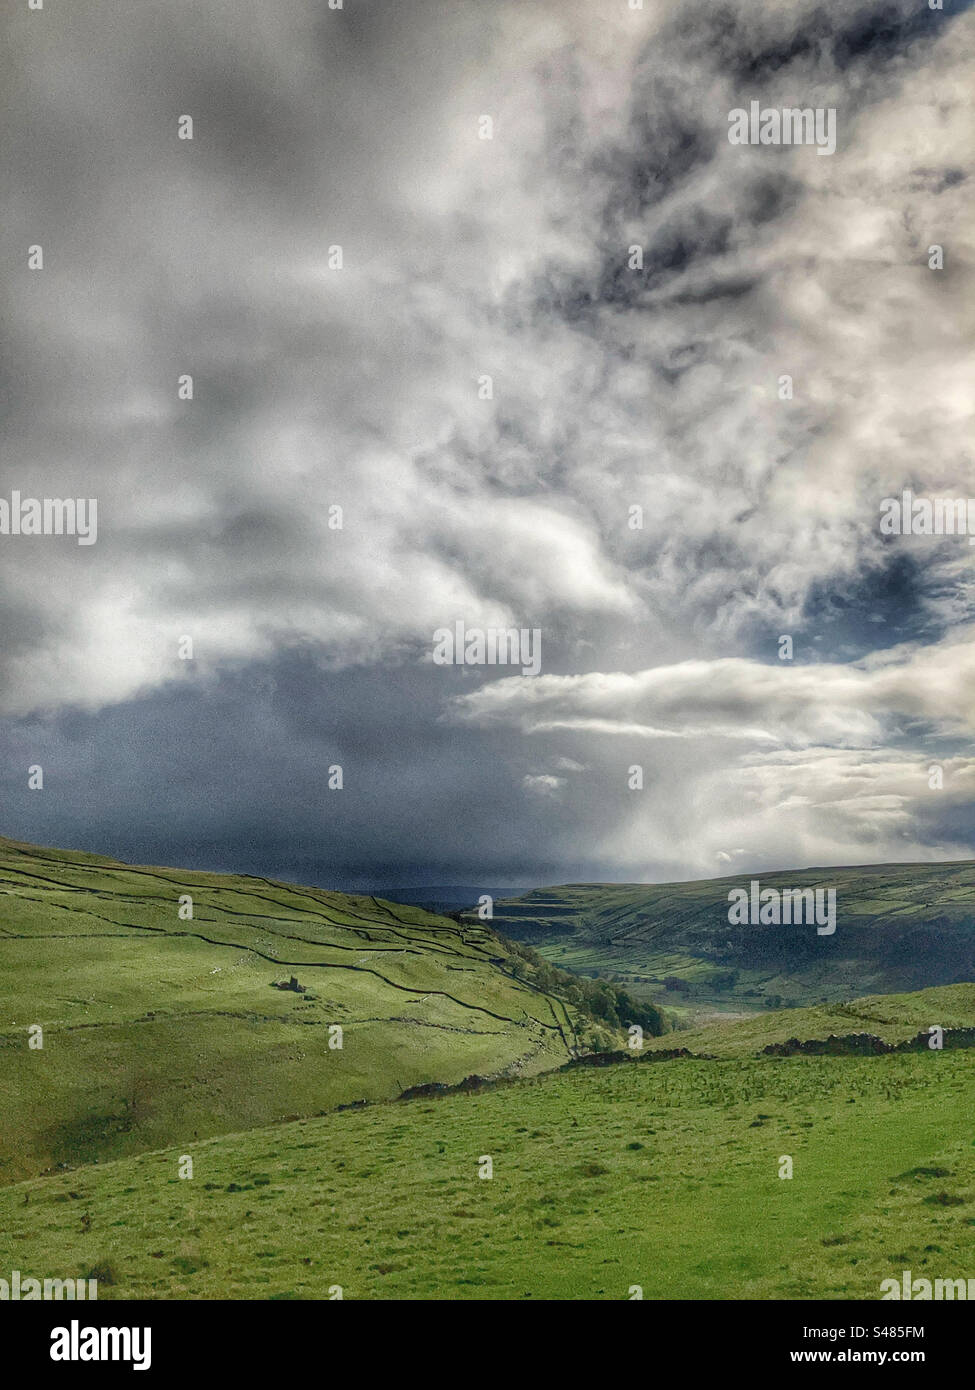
(901, 927)
(161, 1031)
(894, 1018)
(661, 1174)
(164, 1038)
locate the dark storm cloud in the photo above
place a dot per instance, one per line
(236, 776)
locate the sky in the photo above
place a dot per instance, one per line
(635, 483)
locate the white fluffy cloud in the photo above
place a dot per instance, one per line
(851, 706)
(749, 764)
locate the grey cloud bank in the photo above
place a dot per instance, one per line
(315, 387)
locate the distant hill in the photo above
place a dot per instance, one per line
(158, 1027)
(901, 927)
(439, 897)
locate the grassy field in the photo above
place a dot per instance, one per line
(658, 1174)
(164, 1040)
(894, 1018)
(159, 1030)
(900, 927)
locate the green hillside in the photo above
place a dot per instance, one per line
(161, 1030)
(900, 927)
(167, 1037)
(663, 1174)
(895, 1019)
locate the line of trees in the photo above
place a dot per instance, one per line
(604, 1000)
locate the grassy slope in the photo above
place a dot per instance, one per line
(160, 1031)
(893, 1017)
(900, 927)
(662, 1174)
